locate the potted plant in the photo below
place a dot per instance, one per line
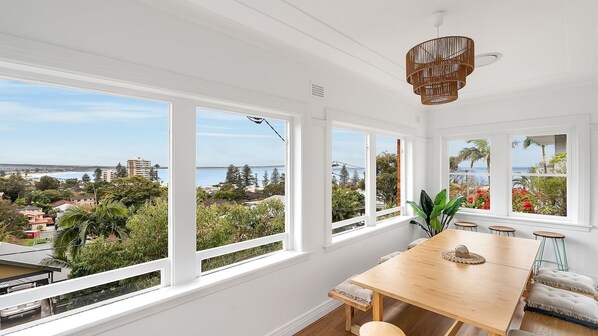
(431, 211)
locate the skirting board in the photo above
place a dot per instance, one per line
(306, 319)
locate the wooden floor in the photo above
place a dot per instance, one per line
(418, 322)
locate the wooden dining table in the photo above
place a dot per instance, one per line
(484, 295)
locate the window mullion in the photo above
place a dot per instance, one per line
(181, 193)
(500, 174)
(370, 175)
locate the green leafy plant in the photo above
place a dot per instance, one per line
(437, 214)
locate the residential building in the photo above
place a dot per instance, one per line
(37, 219)
(108, 175)
(84, 200)
(140, 167)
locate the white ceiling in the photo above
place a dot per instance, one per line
(544, 42)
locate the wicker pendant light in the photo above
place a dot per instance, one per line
(438, 68)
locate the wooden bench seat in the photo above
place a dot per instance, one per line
(350, 306)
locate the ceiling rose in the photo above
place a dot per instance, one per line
(438, 68)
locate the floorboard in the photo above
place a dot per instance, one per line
(415, 321)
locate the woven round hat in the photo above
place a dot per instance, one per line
(473, 259)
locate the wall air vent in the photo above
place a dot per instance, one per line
(317, 91)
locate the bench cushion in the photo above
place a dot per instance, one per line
(416, 242)
(568, 281)
(355, 292)
(569, 306)
(388, 257)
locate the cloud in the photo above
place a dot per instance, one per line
(214, 127)
(88, 113)
(233, 135)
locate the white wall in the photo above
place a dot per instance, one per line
(582, 246)
(133, 43)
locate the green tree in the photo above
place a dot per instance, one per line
(346, 203)
(274, 189)
(2, 173)
(386, 178)
(532, 142)
(275, 178)
(233, 176)
(97, 174)
(70, 183)
(200, 195)
(106, 219)
(344, 177)
(85, 178)
(256, 181)
(12, 222)
(14, 186)
(55, 195)
(247, 176)
(265, 179)
(132, 190)
(479, 151)
(355, 179)
(120, 171)
(47, 182)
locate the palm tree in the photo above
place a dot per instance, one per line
(106, 219)
(479, 151)
(530, 141)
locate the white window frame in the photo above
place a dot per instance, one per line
(577, 129)
(569, 176)
(284, 237)
(371, 128)
(179, 268)
(446, 167)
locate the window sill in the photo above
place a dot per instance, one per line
(543, 223)
(96, 320)
(351, 237)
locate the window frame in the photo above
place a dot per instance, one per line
(371, 128)
(179, 268)
(446, 167)
(570, 158)
(285, 237)
(577, 129)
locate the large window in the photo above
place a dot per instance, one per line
(469, 172)
(82, 192)
(539, 174)
(241, 187)
(366, 174)
(348, 180)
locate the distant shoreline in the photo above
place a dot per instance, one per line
(76, 168)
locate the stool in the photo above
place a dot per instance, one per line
(378, 328)
(560, 256)
(466, 226)
(500, 230)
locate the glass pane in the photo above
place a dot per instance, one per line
(475, 189)
(540, 154)
(348, 174)
(240, 182)
(82, 188)
(469, 156)
(546, 195)
(36, 310)
(388, 154)
(238, 257)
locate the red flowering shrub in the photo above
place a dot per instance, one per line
(523, 200)
(480, 199)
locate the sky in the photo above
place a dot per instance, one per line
(42, 124)
(349, 147)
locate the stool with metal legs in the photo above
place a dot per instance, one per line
(466, 226)
(560, 253)
(502, 230)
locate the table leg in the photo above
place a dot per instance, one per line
(454, 329)
(377, 306)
